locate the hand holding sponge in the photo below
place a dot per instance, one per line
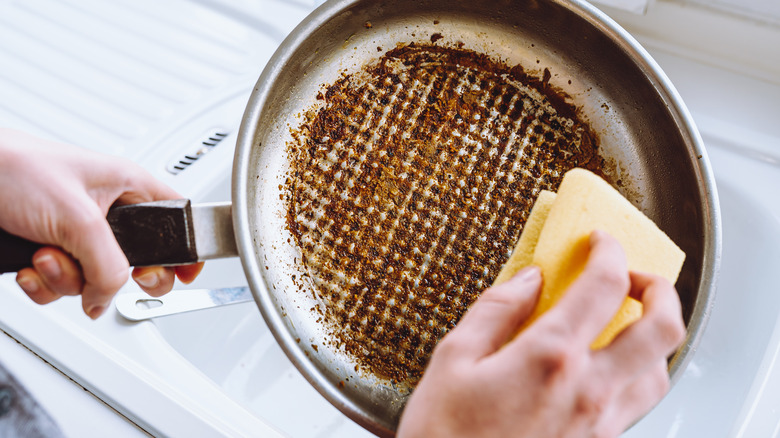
(556, 234)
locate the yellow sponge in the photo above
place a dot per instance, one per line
(556, 239)
(523, 254)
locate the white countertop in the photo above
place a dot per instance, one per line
(76, 411)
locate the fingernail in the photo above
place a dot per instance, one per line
(48, 266)
(528, 273)
(96, 311)
(596, 235)
(29, 285)
(149, 280)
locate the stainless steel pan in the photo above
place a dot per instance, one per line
(642, 123)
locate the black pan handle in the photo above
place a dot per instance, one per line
(15, 253)
(150, 234)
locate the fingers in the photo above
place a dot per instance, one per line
(158, 280)
(635, 400)
(32, 284)
(154, 280)
(656, 335)
(495, 316)
(594, 298)
(54, 274)
(188, 273)
(58, 271)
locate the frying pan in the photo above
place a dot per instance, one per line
(643, 127)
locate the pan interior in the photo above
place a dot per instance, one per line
(650, 153)
(408, 191)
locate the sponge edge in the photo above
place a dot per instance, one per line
(585, 203)
(523, 253)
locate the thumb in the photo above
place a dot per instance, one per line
(497, 314)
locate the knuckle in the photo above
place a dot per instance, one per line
(450, 346)
(660, 381)
(612, 279)
(554, 357)
(671, 328)
(113, 281)
(130, 175)
(655, 385)
(127, 173)
(106, 282)
(80, 222)
(592, 403)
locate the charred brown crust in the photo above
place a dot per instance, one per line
(409, 186)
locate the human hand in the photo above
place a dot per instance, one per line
(546, 381)
(58, 195)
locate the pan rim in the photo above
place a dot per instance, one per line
(245, 142)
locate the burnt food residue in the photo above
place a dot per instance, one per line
(409, 185)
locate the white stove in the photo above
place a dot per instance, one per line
(155, 81)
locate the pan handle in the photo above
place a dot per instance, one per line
(138, 305)
(15, 253)
(150, 234)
